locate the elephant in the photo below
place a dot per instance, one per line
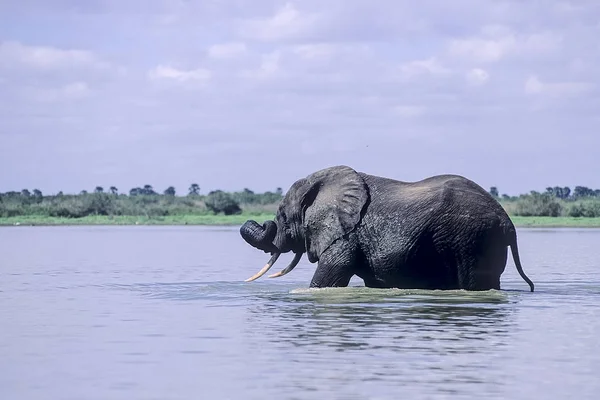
(444, 232)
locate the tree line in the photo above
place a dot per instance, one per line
(146, 201)
(554, 202)
(138, 201)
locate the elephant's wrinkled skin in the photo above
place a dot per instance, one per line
(444, 232)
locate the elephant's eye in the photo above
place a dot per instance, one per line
(284, 220)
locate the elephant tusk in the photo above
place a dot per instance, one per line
(265, 268)
(290, 267)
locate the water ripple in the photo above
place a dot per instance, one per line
(164, 313)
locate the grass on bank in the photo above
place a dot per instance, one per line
(135, 220)
(224, 220)
(556, 222)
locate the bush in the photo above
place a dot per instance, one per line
(14, 204)
(7, 210)
(81, 206)
(537, 204)
(588, 209)
(219, 201)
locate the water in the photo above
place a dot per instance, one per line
(163, 313)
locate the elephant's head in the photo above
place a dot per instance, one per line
(316, 211)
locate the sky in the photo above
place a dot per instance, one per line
(236, 94)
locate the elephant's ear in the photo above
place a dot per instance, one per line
(331, 207)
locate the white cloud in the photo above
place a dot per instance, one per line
(388, 74)
(409, 111)
(316, 50)
(534, 86)
(180, 75)
(287, 22)
(429, 66)
(269, 67)
(498, 42)
(17, 54)
(227, 50)
(71, 91)
(76, 89)
(566, 7)
(482, 50)
(578, 65)
(477, 77)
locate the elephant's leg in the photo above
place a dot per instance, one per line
(489, 267)
(481, 264)
(337, 265)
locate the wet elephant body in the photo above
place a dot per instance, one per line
(443, 232)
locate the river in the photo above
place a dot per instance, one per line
(140, 312)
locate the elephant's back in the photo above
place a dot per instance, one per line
(391, 192)
(427, 199)
(398, 208)
(463, 200)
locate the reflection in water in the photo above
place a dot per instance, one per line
(163, 312)
(302, 322)
(394, 335)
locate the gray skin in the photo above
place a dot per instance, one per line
(443, 232)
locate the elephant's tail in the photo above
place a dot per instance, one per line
(515, 253)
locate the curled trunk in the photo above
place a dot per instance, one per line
(260, 236)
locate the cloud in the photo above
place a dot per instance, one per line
(269, 67)
(76, 90)
(401, 88)
(477, 77)
(313, 51)
(534, 86)
(17, 55)
(416, 68)
(179, 75)
(497, 42)
(409, 111)
(227, 50)
(287, 22)
(70, 91)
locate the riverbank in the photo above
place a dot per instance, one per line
(556, 222)
(224, 220)
(134, 220)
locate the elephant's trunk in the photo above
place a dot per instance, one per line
(260, 237)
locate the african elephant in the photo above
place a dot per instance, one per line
(443, 232)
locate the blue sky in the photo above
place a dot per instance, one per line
(235, 94)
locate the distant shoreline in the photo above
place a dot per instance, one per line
(177, 220)
(233, 220)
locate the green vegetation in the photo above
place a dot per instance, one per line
(135, 220)
(141, 205)
(554, 202)
(556, 222)
(144, 206)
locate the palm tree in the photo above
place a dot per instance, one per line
(99, 189)
(114, 190)
(194, 189)
(148, 189)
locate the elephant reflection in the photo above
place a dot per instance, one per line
(400, 323)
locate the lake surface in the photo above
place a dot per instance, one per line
(163, 313)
